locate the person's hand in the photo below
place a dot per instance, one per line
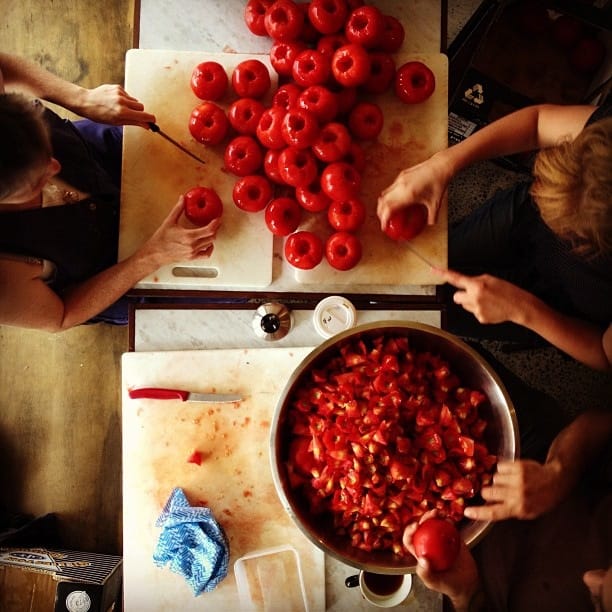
(459, 583)
(522, 489)
(488, 298)
(173, 242)
(111, 104)
(426, 183)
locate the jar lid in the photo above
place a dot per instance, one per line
(333, 315)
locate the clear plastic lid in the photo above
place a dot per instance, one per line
(271, 580)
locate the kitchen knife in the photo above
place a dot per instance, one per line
(155, 128)
(184, 396)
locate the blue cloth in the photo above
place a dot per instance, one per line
(192, 543)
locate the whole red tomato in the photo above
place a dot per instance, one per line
(283, 54)
(243, 156)
(366, 121)
(208, 123)
(312, 198)
(244, 114)
(407, 223)
(343, 250)
(365, 26)
(382, 73)
(438, 541)
(252, 193)
(393, 36)
(297, 167)
(282, 216)
(202, 205)
(320, 101)
(284, 20)
(303, 250)
(299, 128)
(251, 79)
(311, 67)
(350, 65)
(209, 81)
(332, 143)
(414, 82)
(269, 129)
(254, 13)
(346, 215)
(287, 96)
(340, 181)
(327, 16)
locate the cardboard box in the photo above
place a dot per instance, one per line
(44, 580)
(510, 55)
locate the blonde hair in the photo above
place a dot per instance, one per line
(573, 189)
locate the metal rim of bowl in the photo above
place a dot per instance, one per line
(480, 527)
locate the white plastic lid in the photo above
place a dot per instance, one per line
(333, 315)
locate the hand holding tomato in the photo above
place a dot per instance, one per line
(459, 582)
(425, 183)
(522, 489)
(173, 242)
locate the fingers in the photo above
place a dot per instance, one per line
(488, 512)
(461, 281)
(176, 211)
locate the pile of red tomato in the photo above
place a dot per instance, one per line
(381, 433)
(302, 152)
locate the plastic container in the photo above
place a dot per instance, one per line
(333, 315)
(271, 580)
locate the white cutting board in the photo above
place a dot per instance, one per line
(155, 173)
(235, 478)
(411, 134)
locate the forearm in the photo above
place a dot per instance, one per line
(21, 72)
(581, 340)
(527, 129)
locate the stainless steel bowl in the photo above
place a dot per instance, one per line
(473, 371)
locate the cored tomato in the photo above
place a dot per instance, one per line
(365, 26)
(407, 223)
(287, 96)
(243, 156)
(208, 123)
(297, 167)
(320, 101)
(251, 79)
(300, 128)
(332, 143)
(283, 54)
(312, 198)
(414, 82)
(329, 44)
(282, 216)
(209, 81)
(269, 129)
(393, 36)
(340, 181)
(244, 114)
(202, 205)
(303, 250)
(271, 166)
(350, 65)
(346, 215)
(284, 20)
(366, 121)
(254, 13)
(438, 541)
(382, 73)
(343, 250)
(327, 16)
(252, 193)
(311, 67)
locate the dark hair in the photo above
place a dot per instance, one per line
(25, 142)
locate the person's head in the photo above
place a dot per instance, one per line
(572, 187)
(599, 583)
(26, 157)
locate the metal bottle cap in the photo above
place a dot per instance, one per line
(272, 321)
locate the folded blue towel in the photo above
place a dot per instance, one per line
(193, 543)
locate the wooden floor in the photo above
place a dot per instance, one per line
(60, 412)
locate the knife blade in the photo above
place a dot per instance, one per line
(157, 130)
(161, 393)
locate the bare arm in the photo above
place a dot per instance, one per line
(493, 300)
(530, 128)
(526, 489)
(26, 301)
(105, 104)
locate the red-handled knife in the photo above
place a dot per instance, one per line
(181, 394)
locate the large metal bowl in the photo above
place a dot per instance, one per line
(473, 371)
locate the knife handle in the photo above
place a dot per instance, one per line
(157, 393)
(153, 127)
